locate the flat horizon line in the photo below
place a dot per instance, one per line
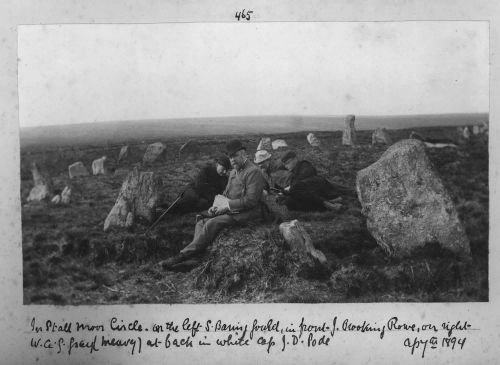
(253, 116)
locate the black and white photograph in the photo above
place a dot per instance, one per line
(254, 162)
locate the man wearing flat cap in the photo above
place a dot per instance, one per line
(239, 204)
(308, 191)
(200, 193)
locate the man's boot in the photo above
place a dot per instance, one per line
(174, 260)
(186, 265)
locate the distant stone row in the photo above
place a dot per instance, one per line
(381, 136)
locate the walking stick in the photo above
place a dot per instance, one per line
(166, 211)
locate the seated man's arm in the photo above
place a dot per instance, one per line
(253, 192)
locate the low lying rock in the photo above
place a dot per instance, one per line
(265, 144)
(299, 240)
(279, 143)
(56, 199)
(66, 195)
(313, 140)
(77, 170)
(381, 136)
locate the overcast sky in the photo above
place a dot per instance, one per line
(86, 73)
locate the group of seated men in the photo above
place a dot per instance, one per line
(241, 192)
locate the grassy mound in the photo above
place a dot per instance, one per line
(251, 260)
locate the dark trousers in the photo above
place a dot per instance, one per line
(206, 231)
(309, 194)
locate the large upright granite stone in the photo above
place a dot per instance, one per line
(406, 204)
(137, 198)
(349, 134)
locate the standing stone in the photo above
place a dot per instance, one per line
(406, 204)
(138, 196)
(349, 134)
(475, 129)
(313, 140)
(265, 144)
(66, 195)
(42, 182)
(466, 133)
(123, 155)
(279, 143)
(99, 166)
(153, 152)
(380, 136)
(77, 169)
(185, 146)
(190, 147)
(484, 127)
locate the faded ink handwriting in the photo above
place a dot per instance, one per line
(133, 336)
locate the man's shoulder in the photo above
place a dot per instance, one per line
(252, 168)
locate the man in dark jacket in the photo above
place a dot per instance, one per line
(239, 205)
(199, 194)
(308, 191)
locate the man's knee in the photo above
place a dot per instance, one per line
(219, 221)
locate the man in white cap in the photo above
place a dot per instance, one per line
(263, 160)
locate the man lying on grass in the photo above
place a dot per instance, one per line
(239, 205)
(308, 191)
